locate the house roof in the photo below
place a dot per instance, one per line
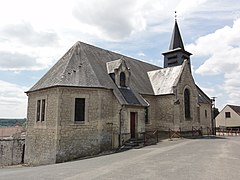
(163, 80)
(235, 108)
(202, 97)
(84, 65)
(10, 131)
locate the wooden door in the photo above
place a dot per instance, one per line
(133, 124)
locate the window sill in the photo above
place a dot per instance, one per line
(188, 119)
(83, 123)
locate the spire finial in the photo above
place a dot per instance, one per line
(175, 16)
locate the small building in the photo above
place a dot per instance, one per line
(229, 116)
(93, 100)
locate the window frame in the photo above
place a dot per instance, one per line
(41, 112)
(227, 114)
(80, 96)
(187, 103)
(38, 110)
(122, 78)
(147, 115)
(81, 103)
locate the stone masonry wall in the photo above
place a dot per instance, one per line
(96, 133)
(11, 151)
(205, 119)
(41, 137)
(186, 81)
(167, 111)
(160, 112)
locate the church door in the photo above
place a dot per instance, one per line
(133, 124)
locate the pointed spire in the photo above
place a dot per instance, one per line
(176, 41)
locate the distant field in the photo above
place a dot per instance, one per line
(12, 122)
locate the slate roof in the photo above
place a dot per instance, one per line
(129, 96)
(235, 108)
(176, 41)
(202, 97)
(163, 80)
(84, 65)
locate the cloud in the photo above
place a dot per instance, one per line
(19, 62)
(118, 20)
(24, 33)
(222, 51)
(114, 19)
(186, 7)
(13, 101)
(141, 54)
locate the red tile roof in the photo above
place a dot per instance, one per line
(9, 131)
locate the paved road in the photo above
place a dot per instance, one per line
(182, 159)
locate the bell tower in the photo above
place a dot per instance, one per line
(176, 53)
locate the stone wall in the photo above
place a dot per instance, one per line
(41, 137)
(160, 112)
(168, 111)
(205, 118)
(11, 151)
(96, 133)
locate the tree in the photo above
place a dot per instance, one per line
(215, 112)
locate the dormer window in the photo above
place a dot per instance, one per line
(119, 72)
(122, 79)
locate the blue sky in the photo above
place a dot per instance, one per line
(35, 34)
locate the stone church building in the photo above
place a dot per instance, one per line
(93, 99)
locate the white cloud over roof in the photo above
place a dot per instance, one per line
(222, 52)
(12, 100)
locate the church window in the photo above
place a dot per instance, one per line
(205, 113)
(227, 115)
(38, 109)
(41, 108)
(122, 79)
(146, 115)
(187, 103)
(79, 109)
(198, 114)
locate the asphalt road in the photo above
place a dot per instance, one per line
(182, 159)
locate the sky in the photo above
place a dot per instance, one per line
(35, 34)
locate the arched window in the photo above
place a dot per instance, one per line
(187, 103)
(122, 79)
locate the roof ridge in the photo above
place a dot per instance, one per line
(233, 105)
(89, 62)
(71, 52)
(112, 51)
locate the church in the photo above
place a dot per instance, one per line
(93, 100)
